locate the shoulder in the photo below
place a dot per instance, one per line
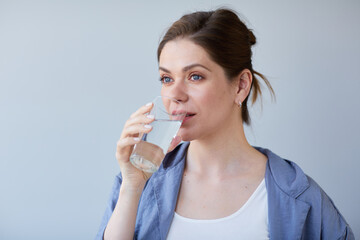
(289, 178)
(322, 206)
(286, 177)
(284, 174)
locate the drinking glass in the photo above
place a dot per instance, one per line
(148, 154)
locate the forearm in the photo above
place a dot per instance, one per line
(122, 222)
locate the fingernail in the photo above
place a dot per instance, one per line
(149, 104)
(150, 116)
(137, 139)
(147, 126)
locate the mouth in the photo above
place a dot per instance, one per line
(181, 113)
(188, 117)
(178, 112)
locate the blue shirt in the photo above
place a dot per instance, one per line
(297, 207)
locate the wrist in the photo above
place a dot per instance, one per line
(132, 188)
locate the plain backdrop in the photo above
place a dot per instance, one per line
(72, 72)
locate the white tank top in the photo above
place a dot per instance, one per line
(249, 222)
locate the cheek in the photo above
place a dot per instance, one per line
(218, 105)
(162, 92)
(215, 98)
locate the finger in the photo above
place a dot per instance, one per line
(136, 129)
(123, 145)
(146, 119)
(175, 141)
(144, 109)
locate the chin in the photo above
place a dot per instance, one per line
(185, 139)
(185, 135)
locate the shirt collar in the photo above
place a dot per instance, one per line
(286, 174)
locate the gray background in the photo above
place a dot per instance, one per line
(71, 72)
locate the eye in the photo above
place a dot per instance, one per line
(196, 77)
(165, 79)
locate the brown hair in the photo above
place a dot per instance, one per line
(226, 39)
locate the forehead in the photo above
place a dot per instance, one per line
(182, 52)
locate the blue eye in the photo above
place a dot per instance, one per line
(165, 80)
(196, 77)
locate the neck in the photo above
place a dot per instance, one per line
(224, 153)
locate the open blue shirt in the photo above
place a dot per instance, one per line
(297, 207)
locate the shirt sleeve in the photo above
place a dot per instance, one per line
(110, 206)
(333, 223)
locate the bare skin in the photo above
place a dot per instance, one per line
(211, 188)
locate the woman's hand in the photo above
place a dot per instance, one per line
(138, 123)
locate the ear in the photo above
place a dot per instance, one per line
(243, 85)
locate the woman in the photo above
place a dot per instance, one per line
(214, 185)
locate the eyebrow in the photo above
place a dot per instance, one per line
(187, 68)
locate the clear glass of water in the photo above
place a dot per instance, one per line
(148, 154)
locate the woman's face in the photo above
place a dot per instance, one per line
(189, 75)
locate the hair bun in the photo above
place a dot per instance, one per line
(252, 38)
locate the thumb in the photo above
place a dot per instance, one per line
(175, 141)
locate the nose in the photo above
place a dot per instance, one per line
(178, 91)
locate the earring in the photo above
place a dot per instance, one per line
(240, 104)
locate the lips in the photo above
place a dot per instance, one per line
(180, 114)
(188, 117)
